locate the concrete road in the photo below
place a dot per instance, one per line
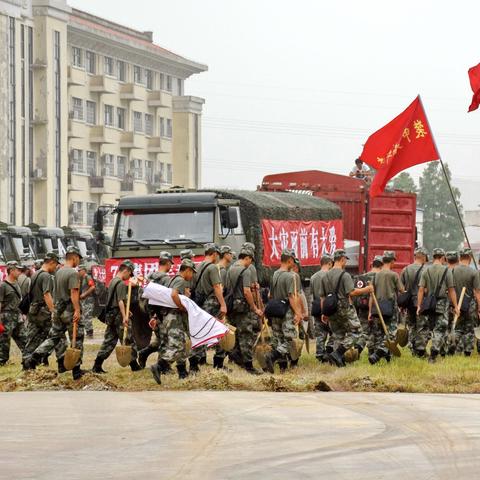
(238, 435)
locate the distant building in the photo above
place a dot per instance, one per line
(90, 111)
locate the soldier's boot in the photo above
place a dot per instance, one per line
(45, 361)
(194, 365)
(156, 372)
(218, 364)
(165, 367)
(144, 353)
(97, 366)
(61, 365)
(33, 361)
(283, 365)
(202, 360)
(134, 366)
(270, 360)
(467, 354)
(336, 357)
(182, 371)
(77, 372)
(388, 357)
(294, 363)
(433, 356)
(420, 353)
(376, 356)
(236, 358)
(251, 369)
(359, 349)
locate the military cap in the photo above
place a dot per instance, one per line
(130, 265)
(438, 252)
(38, 263)
(188, 253)
(165, 256)
(187, 262)
(340, 253)
(247, 252)
(421, 251)
(212, 246)
(73, 249)
(225, 249)
(388, 256)
(466, 252)
(451, 255)
(378, 259)
(14, 264)
(249, 245)
(288, 252)
(51, 256)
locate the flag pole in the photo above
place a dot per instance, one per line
(450, 187)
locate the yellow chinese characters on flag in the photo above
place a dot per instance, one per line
(402, 143)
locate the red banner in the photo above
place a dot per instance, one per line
(3, 272)
(309, 240)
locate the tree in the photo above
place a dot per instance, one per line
(404, 182)
(441, 225)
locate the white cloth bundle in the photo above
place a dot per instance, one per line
(204, 328)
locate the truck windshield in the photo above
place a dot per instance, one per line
(23, 252)
(196, 226)
(54, 245)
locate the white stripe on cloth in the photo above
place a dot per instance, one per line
(204, 328)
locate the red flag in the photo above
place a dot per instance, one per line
(404, 142)
(474, 75)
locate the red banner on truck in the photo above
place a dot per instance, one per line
(309, 239)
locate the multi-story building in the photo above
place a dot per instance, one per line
(92, 110)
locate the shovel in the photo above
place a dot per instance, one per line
(296, 347)
(451, 337)
(124, 352)
(227, 342)
(72, 354)
(263, 348)
(392, 346)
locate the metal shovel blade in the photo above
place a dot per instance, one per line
(402, 335)
(124, 355)
(71, 358)
(393, 347)
(261, 350)
(296, 347)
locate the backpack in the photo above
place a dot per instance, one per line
(276, 308)
(330, 304)
(408, 299)
(197, 297)
(429, 304)
(103, 313)
(26, 301)
(230, 293)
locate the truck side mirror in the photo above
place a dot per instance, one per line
(98, 220)
(229, 217)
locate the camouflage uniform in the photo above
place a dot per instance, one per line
(361, 303)
(88, 304)
(10, 317)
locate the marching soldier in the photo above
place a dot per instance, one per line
(24, 280)
(67, 311)
(176, 326)
(322, 329)
(450, 344)
(437, 282)
(283, 289)
(41, 311)
(246, 314)
(464, 276)
(344, 323)
(410, 278)
(116, 319)
(303, 304)
(87, 299)
(387, 285)
(10, 317)
(226, 258)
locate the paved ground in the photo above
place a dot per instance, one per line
(240, 435)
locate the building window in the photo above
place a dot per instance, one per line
(148, 124)
(161, 172)
(109, 115)
(91, 209)
(169, 83)
(77, 161)
(169, 173)
(179, 86)
(92, 163)
(149, 79)
(108, 65)
(121, 166)
(137, 74)
(149, 171)
(169, 128)
(91, 108)
(121, 118)
(162, 81)
(162, 127)
(109, 165)
(121, 70)
(90, 62)
(77, 213)
(77, 110)
(137, 122)
(77, 57)
(137, 169)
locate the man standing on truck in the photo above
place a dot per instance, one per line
(87, 298)
(116, 319)
(361, 171)
(10, 317)
(209, 296)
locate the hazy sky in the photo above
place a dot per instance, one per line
(301, 85)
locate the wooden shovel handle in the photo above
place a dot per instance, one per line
(129, 299)
(462, 294)
(382, 321)
(74, 334)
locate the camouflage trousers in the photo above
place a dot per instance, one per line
(378, 334)
(248, 327)
(212, 307)
(114, 334)
(88, 306)
(345, 326)
(176, 327)
(324, 338)
(38, 327)
(14, 329)
(410, 320)
(434, 326)
(283, 332)
(61, 324)
(464, 330)
(365, 339)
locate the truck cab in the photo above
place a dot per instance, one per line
(16, 244)
(84, 240)
(48, 239)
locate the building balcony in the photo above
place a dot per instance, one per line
(97, 184)
(76, 77)
(159, 99)
(102, 134)
(38, 175)
(132, 140)
(77, 129)
(39, 120)
(166, 144)
(158, 145)
(133, 92)
(126, 186)
(103, 84)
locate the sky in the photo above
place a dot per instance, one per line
(301, 85)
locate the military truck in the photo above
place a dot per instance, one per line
(47, 239)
